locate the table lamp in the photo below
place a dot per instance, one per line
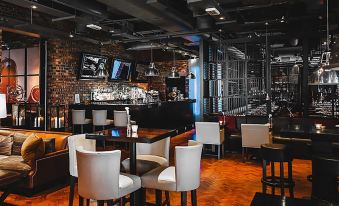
(3, 108)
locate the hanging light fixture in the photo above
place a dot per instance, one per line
(190, 76)
(174, 73)
(151, 71)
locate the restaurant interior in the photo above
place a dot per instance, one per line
(169, 102)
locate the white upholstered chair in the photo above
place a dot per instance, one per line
(74, 142)
(100, 178)
(79, 118)
(120, 118)
(150, 156)
(210, 133)
(253, 136)
(183, 177)
(100, 119)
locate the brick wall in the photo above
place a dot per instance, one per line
(64, 61)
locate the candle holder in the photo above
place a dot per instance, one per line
(57, 115)
(35, 116)
(19, 115)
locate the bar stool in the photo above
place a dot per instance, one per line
(78, 118)
(272, 153)
(100, 119)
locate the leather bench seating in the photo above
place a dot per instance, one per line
(44, 171)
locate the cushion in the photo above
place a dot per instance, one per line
(33, 148)
(167, 175)
(15, 163)
(124, 181)
(6, 143)
(18, 140)
(6, 132)
(49, 145)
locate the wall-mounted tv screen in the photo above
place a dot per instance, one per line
(93, 66)
(121, 70)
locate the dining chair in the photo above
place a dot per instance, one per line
(120, 118)
(150, 156)
(79, 118)
(253, 136)
(100, 178)
(183, 177)
(100, 119)
(210, 133)
(74, 142)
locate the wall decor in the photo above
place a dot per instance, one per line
(93, 66)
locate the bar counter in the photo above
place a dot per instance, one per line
(166, 115)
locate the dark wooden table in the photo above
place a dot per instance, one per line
(261, 199)
(144, 135)
(310, 132)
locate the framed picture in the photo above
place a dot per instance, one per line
(76, 99)
(93, 66)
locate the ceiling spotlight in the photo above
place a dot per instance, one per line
(185, 53)
(93, 26)
(222, 18)
(282, 20)
(111, 31)
(70, 35)
(34, 7)
(266, 23)
(220, 30)
(212, 11)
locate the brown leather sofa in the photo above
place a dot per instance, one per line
(51, 168)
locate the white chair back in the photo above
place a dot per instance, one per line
(187, 166)
(254, 135)
(120, 118)
(160, 148)
(99, 117)
(74, 142)
(78, 116)
(98, 174)
(209, 133)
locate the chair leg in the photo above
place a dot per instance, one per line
(264, 176)
(88, 202)
(81, 201)
(93, 128)
(273, 177)
(167, 198)
(110, 202)
(243, 154)
(158, 198)
(122, 201)
(219, 151)
(183, 198)
(100, 203)
(223, 149)
(194, 197)
(143, 196)
(82, 129)
(71, 190)
(282, 179)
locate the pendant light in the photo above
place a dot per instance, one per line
(151, 71)
(174, 74)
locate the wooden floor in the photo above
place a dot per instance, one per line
(228, 181)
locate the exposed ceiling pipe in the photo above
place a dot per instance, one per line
(87, 6)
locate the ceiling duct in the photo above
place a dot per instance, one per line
(154, 12)
(146, 46)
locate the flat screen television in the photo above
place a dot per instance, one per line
(93, 66)
(121, 70)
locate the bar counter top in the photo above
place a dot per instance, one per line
(163, 114)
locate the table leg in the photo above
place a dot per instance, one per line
(136, 196)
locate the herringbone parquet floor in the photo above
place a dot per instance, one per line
(223, 182)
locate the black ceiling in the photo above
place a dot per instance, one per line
(184, 21)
